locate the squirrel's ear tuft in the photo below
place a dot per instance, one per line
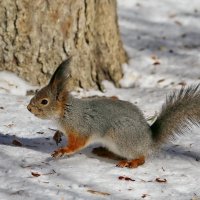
(61, 75)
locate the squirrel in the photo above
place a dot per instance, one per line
(117, 125)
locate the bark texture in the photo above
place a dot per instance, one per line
(35, 36)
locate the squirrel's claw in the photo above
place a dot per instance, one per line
(132, 163)
(56, 154)
(123, 163)
(59, 152)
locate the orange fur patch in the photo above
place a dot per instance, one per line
(75, 143)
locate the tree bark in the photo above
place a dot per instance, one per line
(35, 36)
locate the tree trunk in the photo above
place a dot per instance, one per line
(35, 36)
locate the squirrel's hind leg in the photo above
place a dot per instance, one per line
(76, 142)
(132, 163)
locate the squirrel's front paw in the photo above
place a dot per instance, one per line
(60, 152)
(132, 163)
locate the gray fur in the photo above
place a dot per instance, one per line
(121, 127)
(118, 125)
(179, 113)
(114, 123)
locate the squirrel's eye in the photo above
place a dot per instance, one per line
(44, 102)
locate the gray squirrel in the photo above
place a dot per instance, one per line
(117, 125)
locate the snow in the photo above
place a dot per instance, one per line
(10, 83)
(162, 40)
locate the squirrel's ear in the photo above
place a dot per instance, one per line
(61, 75)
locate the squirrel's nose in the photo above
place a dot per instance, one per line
(29, 107)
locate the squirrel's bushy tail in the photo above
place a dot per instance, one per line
(179, 113)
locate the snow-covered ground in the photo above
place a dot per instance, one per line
(162, 39)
